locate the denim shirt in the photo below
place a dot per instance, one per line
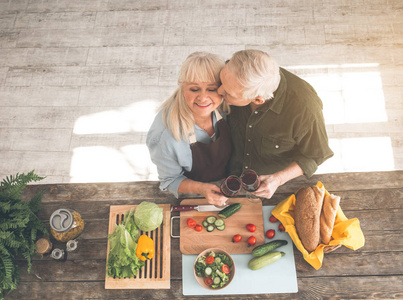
(172, 157)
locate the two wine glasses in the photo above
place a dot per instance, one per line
(232, 185)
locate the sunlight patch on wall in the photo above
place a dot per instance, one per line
(139, 159)
(106, 164)
(350, 93)
(359, 155)
(135, 117)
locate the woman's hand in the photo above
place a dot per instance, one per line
(213, 194)
(210, 191)
(268, 186)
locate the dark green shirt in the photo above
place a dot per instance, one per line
(290, 127)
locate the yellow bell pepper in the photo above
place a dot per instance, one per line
(145, 248)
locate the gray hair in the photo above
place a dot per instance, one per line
(257, 72)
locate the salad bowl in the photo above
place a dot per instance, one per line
(214, 269)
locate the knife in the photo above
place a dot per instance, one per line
(199, 208)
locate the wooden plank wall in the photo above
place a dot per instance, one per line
(80, 80)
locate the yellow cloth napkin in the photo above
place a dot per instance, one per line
(346, 232)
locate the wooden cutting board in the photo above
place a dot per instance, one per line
(193, 242)
(156, 274)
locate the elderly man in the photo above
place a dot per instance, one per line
(276, 121)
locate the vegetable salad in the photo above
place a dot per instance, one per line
(215, 268)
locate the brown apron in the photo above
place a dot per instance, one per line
(209, 161)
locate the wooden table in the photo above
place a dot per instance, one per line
(374, 271)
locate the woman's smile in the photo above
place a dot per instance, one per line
(203, 105)
(201, 97)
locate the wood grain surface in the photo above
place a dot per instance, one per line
(371, 272)
(193, 242)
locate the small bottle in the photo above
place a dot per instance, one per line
(59, 255)
(71, 245)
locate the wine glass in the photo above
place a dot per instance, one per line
(250, 183)
(231, 186)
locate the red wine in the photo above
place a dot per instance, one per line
(250, 181)
(231, 186)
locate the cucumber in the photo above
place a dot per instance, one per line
(211, 219)
(208, 271)
(210, 228)
(229, 210)
(205, 224)
(216, 280)
(266, 248)
(257, 263)
(221, 228)
(219, 222)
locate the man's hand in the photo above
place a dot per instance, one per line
(213, 194)
(268, 186)
(270, 183)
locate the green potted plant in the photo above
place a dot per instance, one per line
(19, 228)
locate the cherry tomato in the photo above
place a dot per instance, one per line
(251, 240)
(191, 223)
(209, 260)
(251, 227)
(198, 227)
(208, 281)
(236, 238)
(270, 233)
(225, 269)
(273, 219)
(281, 227)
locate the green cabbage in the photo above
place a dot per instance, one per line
(148, 216)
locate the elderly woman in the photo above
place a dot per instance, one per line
(189, 141)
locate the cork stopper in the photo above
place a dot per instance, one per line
(43, 245)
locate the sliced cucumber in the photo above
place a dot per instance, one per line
(216, 280)
(211, 219)
(210, 228)
(221, 228)
(219, 222)
(208, 271)
(217, 260)
(205, 224)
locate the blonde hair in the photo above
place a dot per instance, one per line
(198, 67)
(257, 72)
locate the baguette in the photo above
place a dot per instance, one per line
(327, 217)
(308, 206)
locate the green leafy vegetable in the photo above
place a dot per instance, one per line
(122, 260)
(225, 259)
(148, 216)
(200, 266)
(130, 225)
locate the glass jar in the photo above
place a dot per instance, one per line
(66, 224)
(43, 246)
